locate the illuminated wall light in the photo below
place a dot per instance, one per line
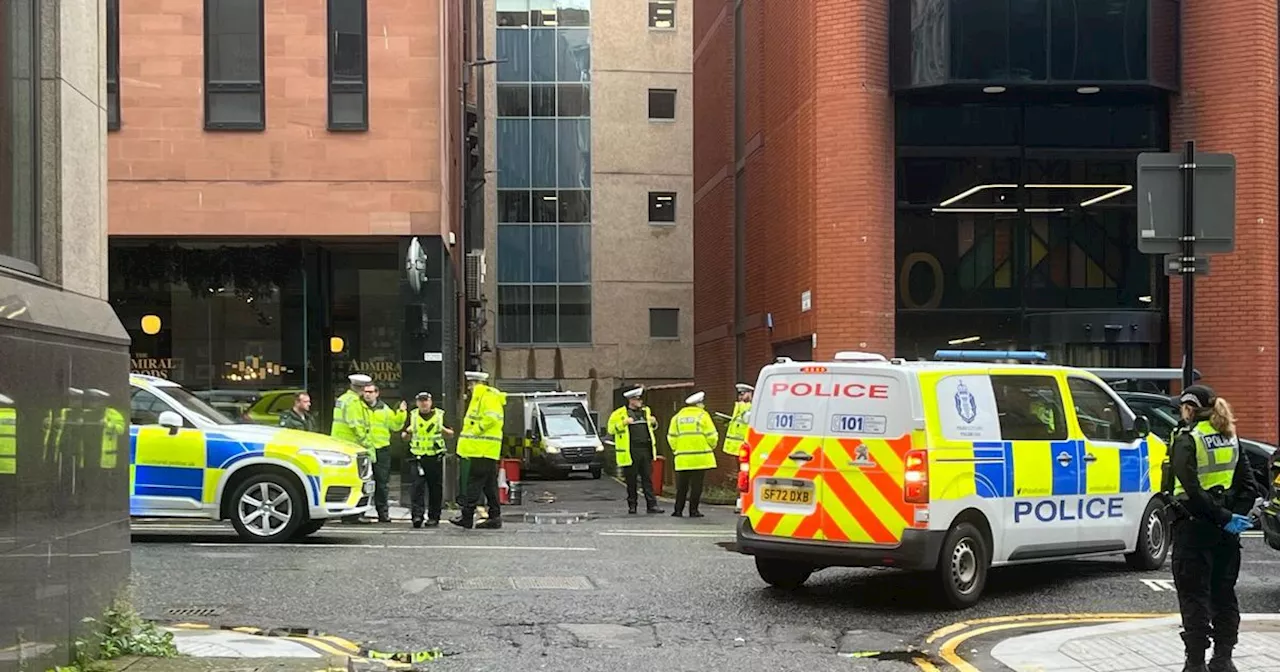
(336, 344)
(966, 339)
(1144, 299)
(1114, 190)
(150, 324)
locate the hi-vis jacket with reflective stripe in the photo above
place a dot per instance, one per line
(736, 432)
(481, 434)
(8, 440)
(113, 428)
(383, 420)
(352, 419)
(427, 436)
(1216, 457)
(693, 437)
(621, 432)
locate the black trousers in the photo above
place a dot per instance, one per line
(382, 481)
(641, 470)
(689, 484)
(1206, 564)
(482, 481)
(428, 483)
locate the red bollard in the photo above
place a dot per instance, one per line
(659, 473)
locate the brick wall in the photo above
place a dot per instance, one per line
(1228, 103)
(170, 177)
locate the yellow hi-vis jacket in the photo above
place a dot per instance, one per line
(1216, 458)
(621, 432)
(427, 435)
(736, 432)
(481, 434)
(8, 441)
(352, 419)
(383, 420)
(693, 438)
(113, 427)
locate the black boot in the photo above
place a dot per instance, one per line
(433, 523)
(652, 508)
(465, 522)
(490, 524)
(1195, 661)
(631, 509)
(694, 513)
(1221, 660)
(417, 524)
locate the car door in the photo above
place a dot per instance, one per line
(1116, 470)
(167, 466)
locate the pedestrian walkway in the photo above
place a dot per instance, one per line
(1144, 645)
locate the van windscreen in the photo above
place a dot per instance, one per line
(836, 404)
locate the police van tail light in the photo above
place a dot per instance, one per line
(915, 483)
(744, 467)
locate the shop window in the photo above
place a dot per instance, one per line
(348, 65)
(1030, 408)
(235, 72)
(19, 135)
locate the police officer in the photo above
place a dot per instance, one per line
(352, 419)
(632, 426)
(693, 437)
(736, 432)
(1212, 487)
(480, 443)
(425, 435)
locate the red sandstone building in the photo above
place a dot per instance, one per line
(900, 176)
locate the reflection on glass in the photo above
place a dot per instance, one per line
(196, 408)
(565, 420)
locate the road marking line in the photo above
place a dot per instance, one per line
(659, 535)
(948, 650)
(925, 665)
(340, 642)
(1160, 585)
(961, 625)
(397, 547)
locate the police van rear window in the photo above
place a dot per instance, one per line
(837, 404)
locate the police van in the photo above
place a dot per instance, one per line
(188, 460)
(973, 460)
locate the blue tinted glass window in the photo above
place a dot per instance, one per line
(980, 40)
(544, 153)
(575, 313)
(575, 253)
(575, 153)
(513, 47)
(544, 314)
(513, 253)
(513, 153)
(543, 253)
(573, 53)
(542, 54)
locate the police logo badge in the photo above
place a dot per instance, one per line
(966, 404)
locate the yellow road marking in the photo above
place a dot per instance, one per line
(956, 627)
(948, 650)
(925, 665)
(341, 643)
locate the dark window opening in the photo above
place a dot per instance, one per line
(662, 206)
(662, 103)
(348, 66)
(234, 70)
(664, 323)
(662, 14)
(113, 65)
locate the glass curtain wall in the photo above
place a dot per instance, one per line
(543, 145)
(1011, 207)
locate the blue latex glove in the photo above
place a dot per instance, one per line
(1238, 524)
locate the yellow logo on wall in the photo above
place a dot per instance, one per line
(160, 367)
(381, 372)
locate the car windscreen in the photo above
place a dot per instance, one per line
(561, 420)
(197, 406)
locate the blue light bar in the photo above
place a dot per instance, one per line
(990, 355)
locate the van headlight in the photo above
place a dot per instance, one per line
(553, 449)
(329, 458)
(599, 447)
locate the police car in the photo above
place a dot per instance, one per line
(973, 460)
(188, 460)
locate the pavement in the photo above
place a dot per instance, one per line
(615, 592)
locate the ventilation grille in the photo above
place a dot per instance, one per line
(475, 276)
(193, 611)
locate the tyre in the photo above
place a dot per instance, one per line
(597, 473)
(1153, 540)
(962, 566)
(267, 508)
(783, 574)
(309, 528)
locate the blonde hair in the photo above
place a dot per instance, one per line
(1223, 418)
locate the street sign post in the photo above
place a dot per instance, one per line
(1186, 210)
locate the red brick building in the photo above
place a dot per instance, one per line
(901, 176)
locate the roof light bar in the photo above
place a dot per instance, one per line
(990, 355)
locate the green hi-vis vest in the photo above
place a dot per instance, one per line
(693, 438)
(1216, 458)
(427, 438)
(621, 432)
(736, 432)
(8, 441)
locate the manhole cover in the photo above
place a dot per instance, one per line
(475, 583)
(193, 611)
(553, 583)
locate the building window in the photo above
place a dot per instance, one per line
(19, 135)
(113, 65)
(235, 97)
(662, 104)
(662, 207)
(348, 65)
(664, 323)
(662, 14)
(543, 146)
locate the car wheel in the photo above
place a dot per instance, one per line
(962, 566)
(783, 574)
(1153, 540)
(597, 473)
(310, 527)
(267, 508)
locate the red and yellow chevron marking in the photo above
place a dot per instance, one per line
(855, 503)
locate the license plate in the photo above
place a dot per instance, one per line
(367, 489)
(783, 494)
(580, 467)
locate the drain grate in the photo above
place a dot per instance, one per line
(193, 611)
(475, 583)
(553, 583)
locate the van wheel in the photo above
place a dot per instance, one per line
(783, 574)
(1153, 540)
(310, 527)
(962, 566)
(597, 473)
(267, 508)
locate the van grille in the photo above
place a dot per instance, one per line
(578, 453)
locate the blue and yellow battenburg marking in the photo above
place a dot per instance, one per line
(1036, 469)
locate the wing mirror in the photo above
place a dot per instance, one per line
(171, 420)
(1141, 426)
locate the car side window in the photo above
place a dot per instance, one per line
(1030, 408)
(1097, 411)
(1162, 423)
(282, 403)
(145, 408)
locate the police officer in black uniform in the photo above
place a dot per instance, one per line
(1213, 489)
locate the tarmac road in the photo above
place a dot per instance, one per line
(615, 593)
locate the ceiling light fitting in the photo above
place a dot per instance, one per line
(1086, 90)
(993, 89)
